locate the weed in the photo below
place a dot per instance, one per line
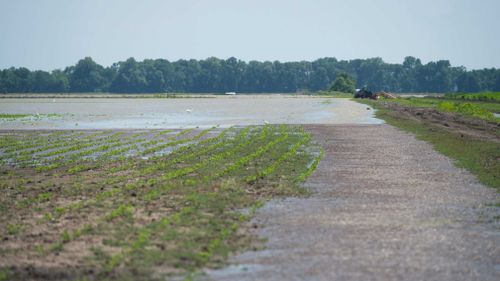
(125, 211)
(467, 109)
(5, 274)
(14, 229)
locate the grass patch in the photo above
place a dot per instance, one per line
(478, 156)
(13, 116)
(5, 274)
(20, 116)
(490, 96)
(471, 108)
(466, 109)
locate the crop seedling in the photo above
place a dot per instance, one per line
(144, 200)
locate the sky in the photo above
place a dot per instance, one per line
(53, 34)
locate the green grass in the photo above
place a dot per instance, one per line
(466, 109)
(13, 116)
(5, 274)
(19, 116)
(478, 156)
(132, 218)
(490, 96)
(471, 108)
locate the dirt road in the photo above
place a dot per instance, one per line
(385, 206)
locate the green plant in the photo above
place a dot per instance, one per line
(14, 229)
(343, 83)
(466, 109)
(475, 109)
(493, 96)
(5, 274)
(176, 210)
(13, 116)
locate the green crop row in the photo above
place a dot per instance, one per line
(271, 168)
(149, 217)
(247, 158)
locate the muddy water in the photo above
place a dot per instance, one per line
(123, 113)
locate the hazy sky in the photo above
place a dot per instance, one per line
(49, 34)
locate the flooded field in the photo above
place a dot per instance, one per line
(139, 204)
(151, 113)
(148, 188)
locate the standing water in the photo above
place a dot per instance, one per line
(132, 113)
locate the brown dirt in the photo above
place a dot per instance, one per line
(385, 206)
(19, 252)
(474, 127)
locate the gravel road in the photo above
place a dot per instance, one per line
(385, 206)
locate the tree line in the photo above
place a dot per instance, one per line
(214, 75)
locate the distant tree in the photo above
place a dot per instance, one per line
(232, 72)
(60, 82)
(86, 76)
(468, 82)
(218, 75)
(41, 81)
(131, 78)
(496, 85)
(411, 62)
(343, 83)
(9, 81)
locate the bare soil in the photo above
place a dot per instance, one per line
(384, 206)
(474, 127)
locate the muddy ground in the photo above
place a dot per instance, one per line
(474, 127)
(384, 206)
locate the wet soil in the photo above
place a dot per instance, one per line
(474, 127)
(384, 206)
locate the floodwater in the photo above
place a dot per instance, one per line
(150, 113)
